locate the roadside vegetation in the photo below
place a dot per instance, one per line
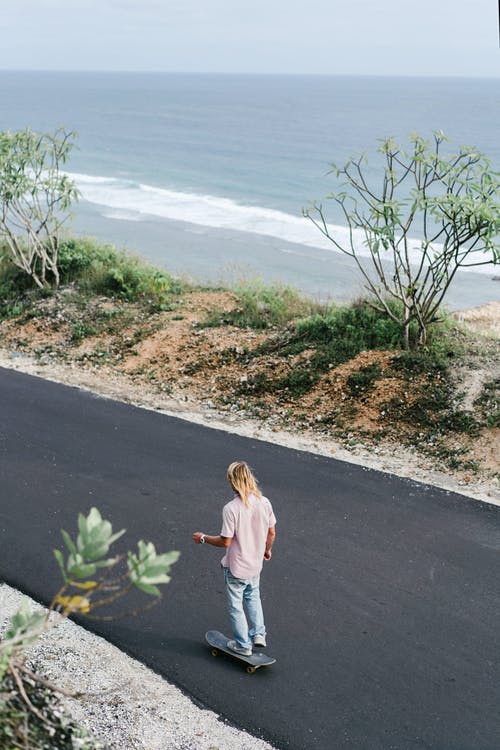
(262, 351)
(31, 715)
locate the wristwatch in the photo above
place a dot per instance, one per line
(202, 539)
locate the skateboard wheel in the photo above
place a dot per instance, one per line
(214, 652)
(250, 670)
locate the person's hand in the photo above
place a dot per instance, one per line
(268, 554)
(197, 536)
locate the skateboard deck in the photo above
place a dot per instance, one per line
(218, 642)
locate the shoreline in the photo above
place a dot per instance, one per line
(406, 463)
(221, 256)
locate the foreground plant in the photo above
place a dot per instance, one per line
(20, 729)
(450, 202)
(91, 579)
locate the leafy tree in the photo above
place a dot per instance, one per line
(451, 202)
(91, 579)
(35, 199)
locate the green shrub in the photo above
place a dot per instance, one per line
(21, 728)
(101, 269)
(340, 333)
(80, 330)
(360, 382)
(298, 381)
(262, 306)
(488, 403)
(94, 269)
(76, 257)
(15, 286)
(359, 324)
(411, 363)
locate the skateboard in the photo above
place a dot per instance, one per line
(218, 642)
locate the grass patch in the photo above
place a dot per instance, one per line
(15, 286)
(488, 403)
(298, 382)
(412, 364)
(81, 330)
(93, 269)
(338, 334)
(357, 327)
(294, 384)
(433, 408)
(361, 381)
(101, 269)
(262, 306)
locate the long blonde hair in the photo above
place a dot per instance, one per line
(241, 479)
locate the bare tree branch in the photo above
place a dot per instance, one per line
(35, 197)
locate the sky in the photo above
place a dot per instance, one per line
(333, 37)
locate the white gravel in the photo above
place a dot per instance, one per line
(124, 704)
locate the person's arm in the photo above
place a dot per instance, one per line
(271, 536)
(216, 541)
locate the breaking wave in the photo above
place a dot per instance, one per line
(132, 201)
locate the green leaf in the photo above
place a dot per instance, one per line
(96, 536)
(148, 568)
(78, 568)
(81, 570)
(25, 625)
(69, 542)
(94, 519)
(82, 525)
(60, 561)
(169, 558)
(148, 588)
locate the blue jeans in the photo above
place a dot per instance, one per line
(239, 591)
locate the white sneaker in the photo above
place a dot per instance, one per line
(238, 649)
(260, 641)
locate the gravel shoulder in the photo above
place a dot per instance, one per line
(123, 704)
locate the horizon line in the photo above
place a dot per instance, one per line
(249, 74)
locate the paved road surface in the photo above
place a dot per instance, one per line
(382, 598)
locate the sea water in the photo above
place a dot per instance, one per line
(209, 174)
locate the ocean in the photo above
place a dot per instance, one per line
(207, 175)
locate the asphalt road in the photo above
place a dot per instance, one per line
(382, 598)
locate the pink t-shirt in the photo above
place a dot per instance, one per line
(248, 528)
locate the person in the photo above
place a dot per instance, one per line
(247, 534)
